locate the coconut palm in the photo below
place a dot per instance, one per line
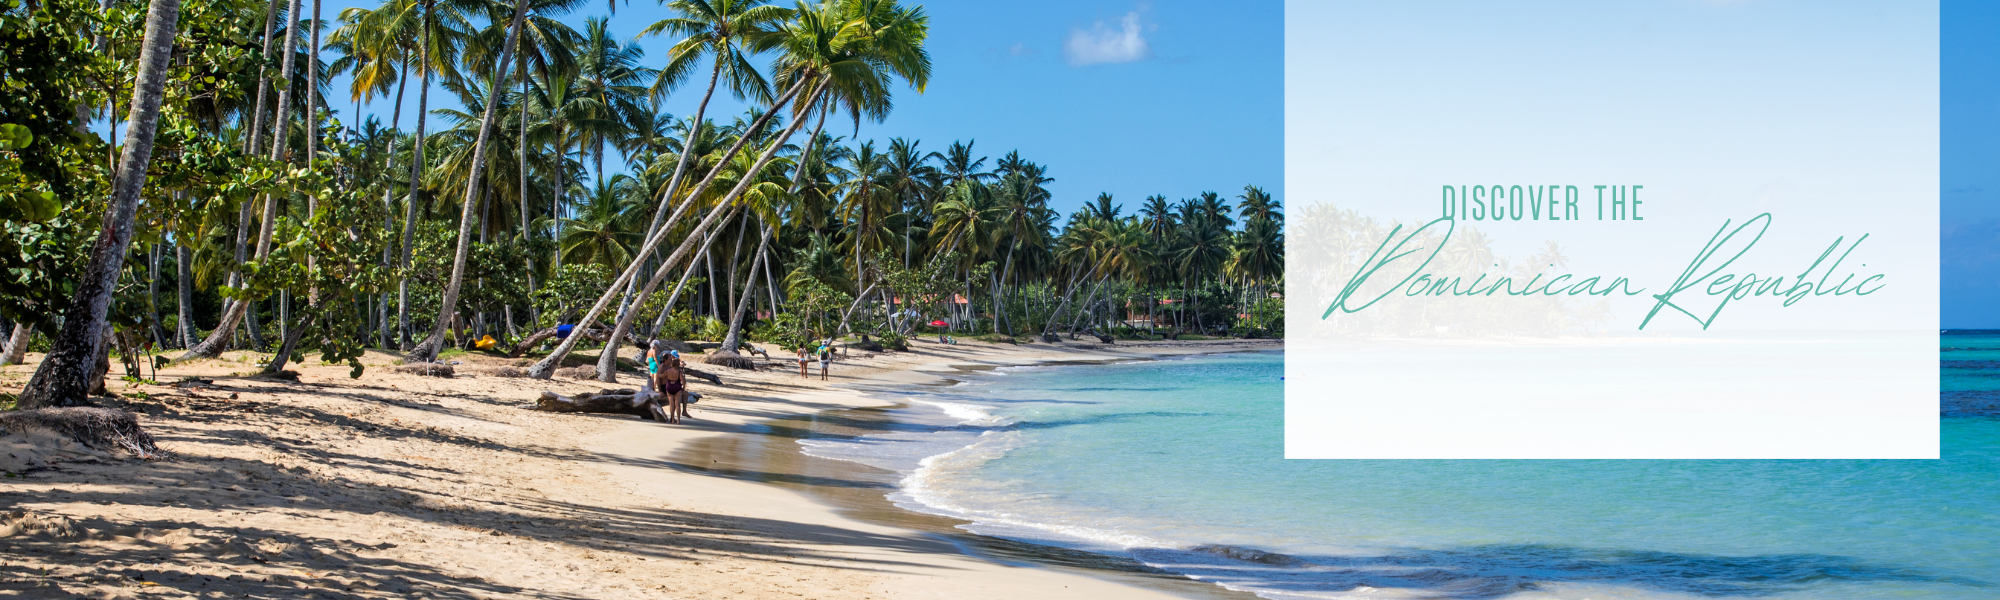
(605, 229)
(64, 376)
(716, 30)
(856, 47)
(610, 74)
(867, 203)
(427, 350)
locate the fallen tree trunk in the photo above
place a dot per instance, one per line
(711, 378)
(639, 403)
(531, 341)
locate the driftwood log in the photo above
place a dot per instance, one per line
(640, 403)
(711, 378)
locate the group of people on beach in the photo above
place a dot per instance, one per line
(824, 354)
(668, 374)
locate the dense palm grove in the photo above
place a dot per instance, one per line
(560, 193)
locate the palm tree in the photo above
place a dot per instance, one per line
(717, 30)
(610, 74)
(1024, 216)
(958, 164)
(64, 377)
(219, 339)
(605, 229)
(1258, 206)
(1202, 249)
(856, 47)
(427, 350)
(867, 204)
(913, 180)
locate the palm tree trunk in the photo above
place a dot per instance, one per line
(556, 201)
(1006, 270)
(17, 344)
(735, 257)
(153, 296)
(772, 283)
(312, 147)
(521, 148)
(389, 201)
(416, 181)
(186, 334)
(252, 139)
(546, 367)
(219, 339)
(708, 262)
(727, 355)
(65, 375)
(674, 298)
(427, 350)
(290, 340)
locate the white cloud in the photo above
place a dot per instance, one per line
(1103, 44)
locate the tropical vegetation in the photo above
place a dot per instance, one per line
(243, 208)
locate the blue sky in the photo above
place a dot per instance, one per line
(1131, 98)
(1969, 177)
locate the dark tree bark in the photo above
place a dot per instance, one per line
(153, 329)
(64, 376)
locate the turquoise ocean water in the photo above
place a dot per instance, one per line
(1176, 463)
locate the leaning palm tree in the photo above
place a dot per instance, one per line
(218, 340)
(716, 30)
(426, 351)
(64, 377)
(857, 46)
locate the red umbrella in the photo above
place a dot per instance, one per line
(939, 323)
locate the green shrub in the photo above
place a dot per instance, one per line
(712, 329)
(893, 340)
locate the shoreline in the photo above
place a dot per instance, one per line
(841, 493)
(397, 485)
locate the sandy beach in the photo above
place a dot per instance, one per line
(397, 485)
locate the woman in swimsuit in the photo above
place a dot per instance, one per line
(804, 358)
(674, 384)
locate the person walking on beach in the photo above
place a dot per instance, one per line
(804, 358)
(825, 360)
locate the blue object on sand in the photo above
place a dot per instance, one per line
(562, 330)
